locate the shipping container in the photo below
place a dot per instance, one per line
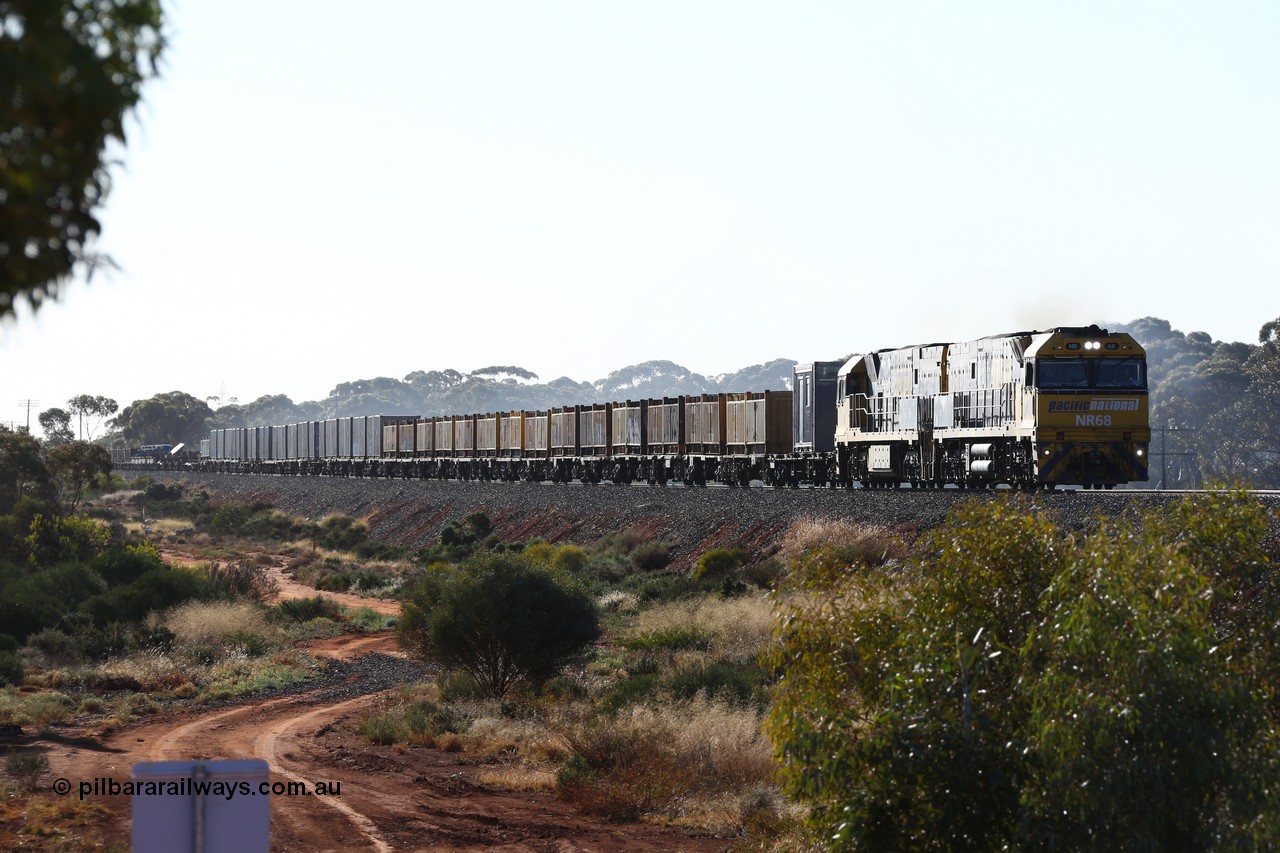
(442, 430)
(423, 436)
(511, 428)
(345, 441)
(314, 439)
(563, 424)
(813, 406)
(464, 435)
(704, 424)
(405, 438)
(373, 435)
(630, 427)
(537, 432)
(595, 428)
(758, 422)
(487, 439)
(279, 443)
(329, 440)
(666, 426)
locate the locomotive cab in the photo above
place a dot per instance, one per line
(1089, 396)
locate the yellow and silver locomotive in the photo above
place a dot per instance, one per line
(1067, 406)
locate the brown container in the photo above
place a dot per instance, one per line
(487, 439)
(704, 430)
(630, 428)
(595, 429)
(442, 436)
(666, 426)
(563, 424)
(464, 435)
(757, 423)
(511, 434)
(537, 432)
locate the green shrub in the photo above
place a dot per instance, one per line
(1017, 687)
(306, 609)
(341, 533)
(104, 513)
(458, 685)
(156, 589)
(10, 667)
(127, 564)
(673, 639)
(417, 722)
(229, 518)
(719, 680)
(633, 690)
(56, 645)
(26, 767)
(569, 558)
(500, 618)
(368, 619)
(61, 538)
(163, 492)
(717, 564)
(650, 556)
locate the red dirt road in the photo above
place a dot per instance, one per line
(420, 799)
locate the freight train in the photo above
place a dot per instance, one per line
(1066, 406)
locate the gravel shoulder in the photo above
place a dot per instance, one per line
(413, 512)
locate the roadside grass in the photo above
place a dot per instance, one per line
(236, 676)
(197, 625)
(368, 619)
(34, 709)
(700, 762)
(51, 823)
(663, 723)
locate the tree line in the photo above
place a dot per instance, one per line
(1218, 400)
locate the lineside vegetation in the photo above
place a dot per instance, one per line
(1014, 686)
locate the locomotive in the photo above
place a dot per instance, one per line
(1066, 406)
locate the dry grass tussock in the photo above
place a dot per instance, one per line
(739, 627)
(531, 740)
(161, 526)
(701, 762)
(517, 777)
(149, 671)
(869, 543)
(54, 823)
(198, 622)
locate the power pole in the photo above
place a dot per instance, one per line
(28, 404)
(1180, 454)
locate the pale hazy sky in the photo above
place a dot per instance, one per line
(320, 192)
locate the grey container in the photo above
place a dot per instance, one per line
(344, 438)
(813, 406)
